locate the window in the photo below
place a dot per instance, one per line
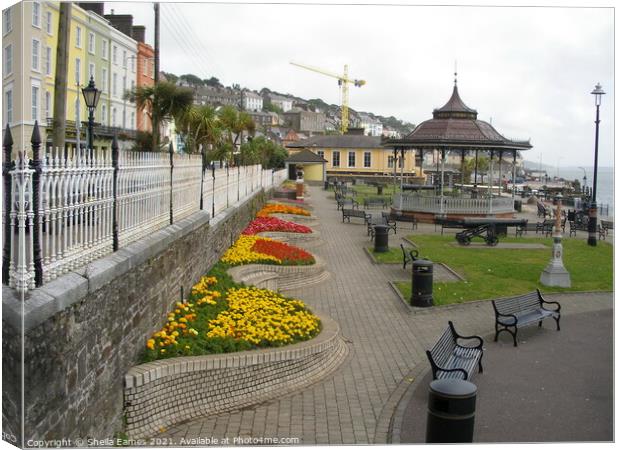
(91, 71)
(8, 101)
(104, 111)
(124, 59)
(113, 117)
(91, 43)
(133, 64)
(35, 103)
(336, 159)
(114, 52)
(124, 118)
(78, 71)
(132, 121)
(8, 60)
(390, 162)
(48, 22)
(48, 104)
(145, 67)
(48, 60)
(367, 159)
(114, 90)
(77, 111)
(104, 79)
(78, 37)
(104, 49)
(36, 46)
(321, 153)
(36, 14)
(124, 83)
(351, 159)
(7, 21)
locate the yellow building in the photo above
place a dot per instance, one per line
(353, 155)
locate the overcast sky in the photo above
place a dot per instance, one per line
(529, 70)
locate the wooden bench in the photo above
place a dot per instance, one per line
(401, 218)
(546, 227)
(371, 202)
(372, 221)
(348, 213)
(408, 257)
(449, 359)
(515, 312)
(523, 229)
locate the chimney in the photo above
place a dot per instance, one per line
(122, 22)
(96, 7)
(138, 32)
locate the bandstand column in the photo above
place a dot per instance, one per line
(514, 173)
(475, 190)
(463, 170)
(490, 183)
(402, 169)
(500, 172)
(443, 164)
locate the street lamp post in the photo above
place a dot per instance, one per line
(598, 94)
(91, 97)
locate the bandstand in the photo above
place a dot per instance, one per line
(455, 129)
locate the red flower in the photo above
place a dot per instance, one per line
(289, 254)
(268, 223)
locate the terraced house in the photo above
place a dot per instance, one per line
(96, 48)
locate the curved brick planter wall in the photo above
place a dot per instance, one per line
(286, 277)
(309, 221)
(304, 240)
(162, 393)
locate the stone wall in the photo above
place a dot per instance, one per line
(85, 330)
(165, 392)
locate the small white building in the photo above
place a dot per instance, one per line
(371, 126)
(252, 101)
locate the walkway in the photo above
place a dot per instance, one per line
(356, 403)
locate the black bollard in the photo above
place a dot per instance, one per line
(451, 411)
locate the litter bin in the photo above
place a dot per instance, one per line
(381, 238)
(518, 205)
(326, 185)
(422, 283)
(451, 411)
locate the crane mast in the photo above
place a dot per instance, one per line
(343, 82)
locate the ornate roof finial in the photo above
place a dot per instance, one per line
(455, 72)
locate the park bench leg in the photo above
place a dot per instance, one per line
(480, 369)
(557, 323)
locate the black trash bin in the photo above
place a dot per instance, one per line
(422, 283)
(518, 205)
(381, 238)
(326, 185)
(451, 411)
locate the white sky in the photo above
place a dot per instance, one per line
(530, 69)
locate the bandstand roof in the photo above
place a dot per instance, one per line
(456, 126)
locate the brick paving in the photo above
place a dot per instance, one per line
(355, 404)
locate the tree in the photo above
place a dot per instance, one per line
(234, 124)
(191, 79)
(164, 100)
(171, 77)
(201, 127)
(60, 83)
(470, 164)
(273, 108)
(263, 151)
(213, 82)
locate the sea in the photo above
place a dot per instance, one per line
(605, 182)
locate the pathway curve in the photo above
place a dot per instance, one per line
(387, 344)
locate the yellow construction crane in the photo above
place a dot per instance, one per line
(343, 82)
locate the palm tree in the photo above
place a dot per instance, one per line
(201, 126)
(234, 123)
(163, 100)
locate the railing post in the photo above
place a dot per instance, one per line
(171, 152)
(213, 195)
(115, 193)
(202, 179)
(7, 166)
(35, 165)
(238, 181)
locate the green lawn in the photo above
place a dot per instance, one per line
(494, 272)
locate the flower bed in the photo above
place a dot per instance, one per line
(254, 249)
(278, 208)
(223, 316)
(266, 223)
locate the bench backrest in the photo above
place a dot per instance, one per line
(517, 304)
(443, 348)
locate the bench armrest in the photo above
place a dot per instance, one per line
(457, 336)
(498, 315)
(544, 302)
(463, 371)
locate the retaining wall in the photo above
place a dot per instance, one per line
(86, 329)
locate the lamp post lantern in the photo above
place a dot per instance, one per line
(91, 97)
(598, 94)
